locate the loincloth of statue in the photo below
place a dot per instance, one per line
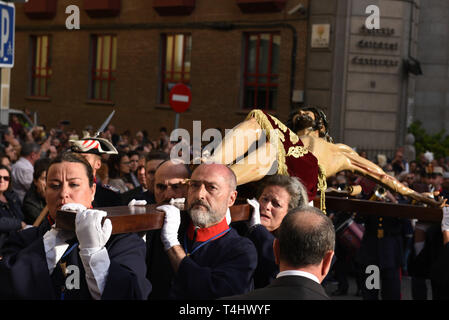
(293, 159)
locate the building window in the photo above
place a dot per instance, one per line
(261, 70)
(40, 65)
(175, 62)
(104, 62)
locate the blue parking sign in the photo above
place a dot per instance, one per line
(7, 16)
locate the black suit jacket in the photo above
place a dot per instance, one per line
(138, 194)
(439, 275)
(105, 197)
(286, 288)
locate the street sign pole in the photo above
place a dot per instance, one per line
(180, 98)
(4, 95)
(7, 28)
(176, 120)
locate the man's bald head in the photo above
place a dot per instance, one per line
(169, 181)
(225, 171)
(305, 236)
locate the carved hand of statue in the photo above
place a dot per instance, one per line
(436, 203)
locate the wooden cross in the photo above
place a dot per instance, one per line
(142, 218)
(383, 209)
(126, 219)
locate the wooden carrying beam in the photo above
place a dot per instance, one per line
(385, 209)
(126, 219)
(142, 218)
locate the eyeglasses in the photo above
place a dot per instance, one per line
(6, 178)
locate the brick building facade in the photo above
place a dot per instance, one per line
(64, 82)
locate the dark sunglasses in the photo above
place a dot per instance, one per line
(6, 178)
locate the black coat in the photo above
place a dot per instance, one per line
(385, 252)
(220, 268)
(267, 269)
(440, 276)
(105, 197)
(24, 271)
(286, 288)
(420, 266)
(11, 215)
(138, 194)
(33, 204)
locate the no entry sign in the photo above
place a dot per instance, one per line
(180, 98)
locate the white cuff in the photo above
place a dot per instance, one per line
(96, 266)
(171, 241)
(54, 249)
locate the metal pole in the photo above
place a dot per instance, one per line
(4, 94)
(177, 120)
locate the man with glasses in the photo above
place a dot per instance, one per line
(145, 175)
(410, 178)
(169, 183)
(131, 177)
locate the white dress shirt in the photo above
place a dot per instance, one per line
(298, 273)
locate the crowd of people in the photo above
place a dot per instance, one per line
(400, 247)
(284, 251)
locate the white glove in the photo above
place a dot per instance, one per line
(55, 245)
(445, 221)
(178, 203)
(90, 233)
(135, 202)
(228, 216)
(92, 237)
(96, 266)
(255, 217)
(172, 220)
(74, 207)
